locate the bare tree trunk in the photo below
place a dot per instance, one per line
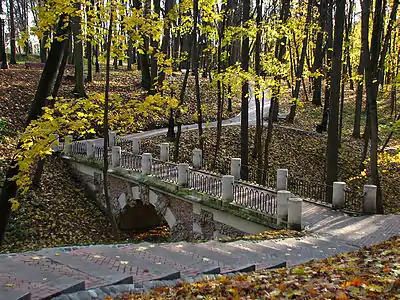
(106, 131)
(333, 138)
(196, 74)
(244, 121)
(13, 59)
(79, 89)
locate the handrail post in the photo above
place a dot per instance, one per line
(68, 144)
(90, 153)
(146, 163)
(197, 159)
(295, 211)
(338, 196)
(227, 188)
(236, 164)
(282, 209)
(116, 153)
(369, 201)
(282, 179)
(164, 151)
(136, 146)
(183, 174)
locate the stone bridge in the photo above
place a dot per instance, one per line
(197, 204)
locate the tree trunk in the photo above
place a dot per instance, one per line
(258, 140)
(195, 63)
(300, 65)
(144, 57)
(333, 138)
(3, 54)
(13, 59)
(43, 91)
(106, 131)
(319, 54)
(79, 89)
(244, 121)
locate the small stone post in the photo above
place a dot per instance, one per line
(295, 211)
(136, 146)
(116, 153)
(164, 151)
(236, 165)
(112, 138)
(197, 158)
(282, 179)
(90, 145)
(146, 163)
(338, 195)
(68, 144)
(55, 145)
(183, 174)
(370, 193)
(227, 187)
(283, 198)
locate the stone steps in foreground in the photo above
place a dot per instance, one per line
(22, 278)
(227, 263)
(264, 258)
(140, 268)
(95, 275)
(7, 293)
(186, 264)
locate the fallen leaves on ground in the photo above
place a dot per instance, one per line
(370, 273)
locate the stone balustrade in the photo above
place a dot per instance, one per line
(288, 206)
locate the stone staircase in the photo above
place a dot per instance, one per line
(97, 271)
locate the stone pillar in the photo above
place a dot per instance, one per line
(282, 207)
(116, 154)
(338, 195)
(227, 187)
(136, 146)
(90, 145)
(55, 145)
(369, 204)
(183, 174)
(112, 138)
(164, 151)
(146, 163)
(68, 144)
(236, 165)
(197, 158)
(282, 179)
(295, 211)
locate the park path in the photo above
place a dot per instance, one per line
(229, 122)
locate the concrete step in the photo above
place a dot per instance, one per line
(94, 275)
(141, 268)
(34, 278)
(8, 293)
(298, 251)
(186, 264)
(262, 258)
(227, 263)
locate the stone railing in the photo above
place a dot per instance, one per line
(278, 202)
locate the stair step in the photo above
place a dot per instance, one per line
(228, 263)
(186, 264)
(42, 283)
(262, 258)
(10, 294)
(94, 275)
(141, 268)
